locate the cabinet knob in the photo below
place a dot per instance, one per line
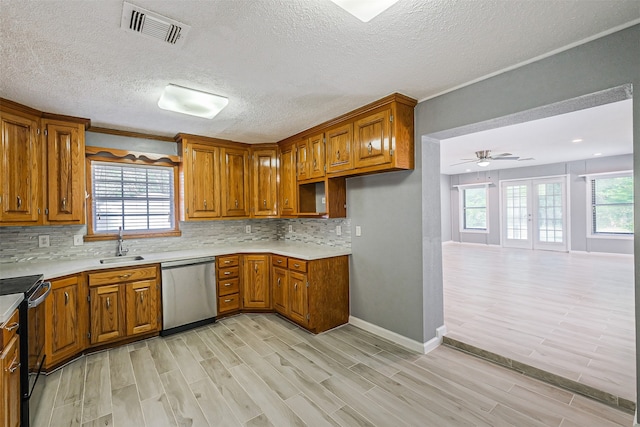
(236, 203)
(64, 203)
(286, 202)
(19, 201)
(338, 155)
(205, 205)
(369, 148)
(264, 203)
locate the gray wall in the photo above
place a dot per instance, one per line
(446, 202)
(604, 63)
(577, 190)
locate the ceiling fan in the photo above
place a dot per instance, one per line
(484, 158)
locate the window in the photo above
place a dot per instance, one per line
(137, 195)
(474, 209)
(612, 205)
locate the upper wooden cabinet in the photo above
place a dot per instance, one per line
(317, 160)
(235, 182)
(21, 172)
(371, 139)
(287, 189)
(200, 169)
(339, 148)
(65, 172)
(42, 178)
(302, 160)
(264, 189)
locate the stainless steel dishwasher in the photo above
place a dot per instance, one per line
(188, 294)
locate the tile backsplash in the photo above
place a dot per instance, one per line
(19, 244)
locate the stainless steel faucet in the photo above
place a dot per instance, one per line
(120, 251)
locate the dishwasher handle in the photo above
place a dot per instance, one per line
(186, 262)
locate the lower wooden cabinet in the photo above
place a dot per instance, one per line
(228, 274)
(299, 298)
(10, 373)
(66, 325)
(280, 286)
(124, 303)
(256, 288)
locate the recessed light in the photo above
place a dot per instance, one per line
(597, 154)
(365, 10)
(577, 140)
(467, 170)
(191, 101)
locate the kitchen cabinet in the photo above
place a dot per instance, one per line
(303, 171)
(371, 139)
(314, 294)
(66, 320)
(124, 303)
(200, 171)
(317, 163)
(235, 182)
(21, 172)
(10, 372)
(264, 172)
(339, 148)
(228, 284)
(65, 172)
(288, 189)
(256, 288)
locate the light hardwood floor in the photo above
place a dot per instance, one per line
(570, 314)
(260, 370)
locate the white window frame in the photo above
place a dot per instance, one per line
(589, 208)
(461, 209)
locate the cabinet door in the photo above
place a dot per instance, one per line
(302, 161)
(339, 153)
(20, 175)
(280, 285)
(264, 182)
(299, 297)
(65, 172)
(372, 140)
(64, 331)
(107, 314)
(142, 307)
(202, 181)
(235, 182)
(10, 365)
(317, 160)
(256, 290)
(288, 187)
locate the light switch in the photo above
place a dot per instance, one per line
(78, 240)
(43, 241)
(247, 228)
(324, 200)
(338, 230)
(290, 228)
(358, 231)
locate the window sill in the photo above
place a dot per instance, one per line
(128, 236)
(473, 231)
(610, 236)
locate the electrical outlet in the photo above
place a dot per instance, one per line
(290, 228)
(338, 230)
(358, 231)
(43, 241)
(78, 240)
(247, 228)
(324, 200)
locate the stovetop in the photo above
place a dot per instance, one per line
(19, 285)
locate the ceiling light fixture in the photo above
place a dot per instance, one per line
(191, 101)
(483, 163)
(597, 154)
(577, 140)
(365, 10)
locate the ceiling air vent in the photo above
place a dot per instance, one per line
(152, 25)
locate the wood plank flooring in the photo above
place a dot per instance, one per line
(260, 370)
(570, 314)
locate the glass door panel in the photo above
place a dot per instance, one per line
(516, 217)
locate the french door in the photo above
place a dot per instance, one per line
(534, 214)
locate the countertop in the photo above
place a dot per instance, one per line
(59, 268)
(8, 303)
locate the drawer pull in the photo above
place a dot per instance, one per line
(226, 273)
(12, 326)
(227, 284)
(296, 265)
(228, 300)
(279, 261)
(125, 276)
(227, 262)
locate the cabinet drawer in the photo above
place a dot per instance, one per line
(228, 273)
(280, 261)
(229, 303)
(228, 286)
(119, 276)
(297, 265)
(228, 261)
(10, 328)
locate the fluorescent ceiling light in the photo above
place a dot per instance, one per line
(190, 101)
(365, 10)
(483, 163)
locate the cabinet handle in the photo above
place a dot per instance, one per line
(264, 203)
(279, 261)
(338, 155)
(66, 298)
(296, 265)
(369, 148)
(278, 281)
(295, 286)
(108, 303)
(255, 268)
(125, 276)
(226, 273)
(315, 163)
(14, 366)
(286, 202)
(228, 300)
(236, 203)
(227, 284)
(64, 203)
(205, 205)
(12, 326)
(19, 202)
(227, 262)
(141, 298)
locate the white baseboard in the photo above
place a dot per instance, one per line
(635, 419)
(401, 340)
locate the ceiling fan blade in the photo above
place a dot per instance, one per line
(500, 155)
(505, 158)
(467, 161)
(525, 159)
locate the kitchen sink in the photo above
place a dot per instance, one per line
(117, 259)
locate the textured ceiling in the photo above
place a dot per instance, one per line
(285, 65)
